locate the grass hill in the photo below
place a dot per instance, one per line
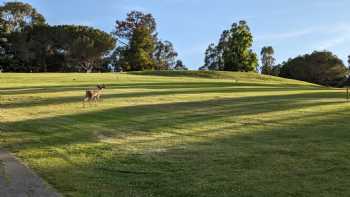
(236, 76)
(179, 134)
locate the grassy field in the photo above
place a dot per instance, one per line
(179, 134)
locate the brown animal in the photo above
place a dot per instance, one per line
(93, 95)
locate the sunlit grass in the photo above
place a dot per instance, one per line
(179, 134)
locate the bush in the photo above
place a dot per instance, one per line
(322, 68)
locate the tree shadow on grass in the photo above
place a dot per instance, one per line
(299, 155)
(149, 118)
(301, 160)
(154, 85)
(291, 159)
(173, 91)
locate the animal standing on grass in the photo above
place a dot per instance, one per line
(93, 95)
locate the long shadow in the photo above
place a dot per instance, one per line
(198, 90)
(300, 160)
(149, 118)
(172, 85)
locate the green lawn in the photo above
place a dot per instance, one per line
(180, 134)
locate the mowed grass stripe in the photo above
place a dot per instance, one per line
(228, 135)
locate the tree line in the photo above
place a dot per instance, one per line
(29, 44)
(233, 53)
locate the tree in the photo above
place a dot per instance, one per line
(137, 32)
(140, 52)
(15, 17)
(212, 58)
(180, 66)
(320, 67)
(276, 70)
(214, 54)
(238, 56)
(141, 47)
(118, 59)
(267, 60)
(165, 55)
(233, 52)
(134, 20)
(86, 47)
(31, 46)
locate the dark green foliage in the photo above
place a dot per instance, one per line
(276, 70)
(84, 46)
(238, 56)
(141, 50)
(29, 45)
(135, 19)
(233, 52)
(165, 55)
(180, 66)
(66, 48)
(213, 58)
(15, 16)
(137, 33)
(320, 67)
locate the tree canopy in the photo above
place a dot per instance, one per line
(267, 60)
(180, 65)
(320, 67)
(165, 55)
(140, 48)
(233, 52)
(28, 44)
(86, 46)
(15, 16)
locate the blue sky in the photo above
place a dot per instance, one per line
(292, 27)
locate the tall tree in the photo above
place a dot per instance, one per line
(32, 46)
(165, 55)
(134, 20)
(233, 52)
(238, 56)
(212, 60)
(140, 52)
(141, 47)
(137, 32)
(267, 60)
(16, 18)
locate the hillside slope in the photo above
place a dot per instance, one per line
(226, 134)
(237, 76)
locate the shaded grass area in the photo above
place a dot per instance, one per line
(158, 137)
